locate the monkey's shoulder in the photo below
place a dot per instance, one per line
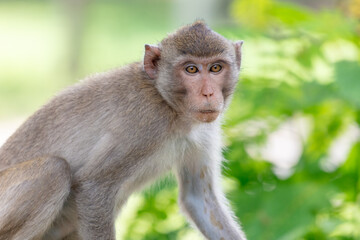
(125, 90)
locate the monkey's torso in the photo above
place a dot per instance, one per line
(69, 168)
(108, 125)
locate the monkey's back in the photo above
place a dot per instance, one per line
(120, 108)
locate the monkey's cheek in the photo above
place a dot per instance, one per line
(206, 117)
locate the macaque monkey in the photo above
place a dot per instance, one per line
(66, 172)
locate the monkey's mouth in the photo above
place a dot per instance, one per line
(208, 111)
(207, 115)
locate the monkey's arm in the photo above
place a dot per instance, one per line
(204, 202)
(96, 213)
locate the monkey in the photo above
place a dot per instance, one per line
(69, 168)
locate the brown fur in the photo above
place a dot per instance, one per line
(65, 171)
(196, 40)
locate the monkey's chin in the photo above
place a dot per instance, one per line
(206, 116)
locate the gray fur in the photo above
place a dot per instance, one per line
(66, 172)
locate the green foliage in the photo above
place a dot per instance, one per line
(322, 83)
(348, 81)
(295, 66)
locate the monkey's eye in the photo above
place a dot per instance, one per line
(192, 69)
(215, 68)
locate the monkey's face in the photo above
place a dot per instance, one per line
(195, 70)
(202, 85)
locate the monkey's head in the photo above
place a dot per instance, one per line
(195, 70)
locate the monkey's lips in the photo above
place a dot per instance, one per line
(207, 111)
(206, 115)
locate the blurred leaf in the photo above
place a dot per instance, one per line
(284, 213)
(289, 13)
(252, 12)
(348, 81)
(350, 174)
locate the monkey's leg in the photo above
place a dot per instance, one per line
(95, 201)
(204, 202)
(31, 195)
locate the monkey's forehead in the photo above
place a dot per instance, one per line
(197, 40)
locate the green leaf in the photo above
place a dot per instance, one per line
(347, 76)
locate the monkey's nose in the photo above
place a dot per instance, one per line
(210, 94)
(207, 91)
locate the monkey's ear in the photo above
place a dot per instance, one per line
(152, 56)
(237, 46)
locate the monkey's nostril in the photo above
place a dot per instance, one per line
(208, 94)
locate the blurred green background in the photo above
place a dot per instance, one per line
(292, 131)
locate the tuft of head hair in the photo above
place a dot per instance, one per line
(196, 39)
